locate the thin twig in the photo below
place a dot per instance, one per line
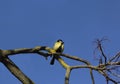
(101, 50)
(114, 57)
(76, 58)
(92, 76)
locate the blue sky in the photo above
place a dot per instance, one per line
(30, 23)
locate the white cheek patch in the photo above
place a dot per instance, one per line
(56, 46)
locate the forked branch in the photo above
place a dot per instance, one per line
(104, 67)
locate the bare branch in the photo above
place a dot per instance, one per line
(99, 47)
(16, 71)
(76, 58)
(107, 77)
(67, 75)
(92, 76)
(26, 50)
(114, 74)
(104, 67)
(115, 57)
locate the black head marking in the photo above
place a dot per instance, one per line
(59, 40)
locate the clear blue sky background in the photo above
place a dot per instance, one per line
(30, 23)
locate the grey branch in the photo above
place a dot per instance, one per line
(103, 68)
(16, 71)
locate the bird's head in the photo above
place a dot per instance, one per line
(59, 40)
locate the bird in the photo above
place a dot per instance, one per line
(59, 48)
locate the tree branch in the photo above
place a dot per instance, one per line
(114, 57)
(16, 71)
(67, 75)
(103, 68)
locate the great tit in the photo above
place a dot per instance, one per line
(58, 47)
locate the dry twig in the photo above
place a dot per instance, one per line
(103, 68)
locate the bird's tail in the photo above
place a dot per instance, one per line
(53, 60)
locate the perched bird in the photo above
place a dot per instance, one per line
(58, 47)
